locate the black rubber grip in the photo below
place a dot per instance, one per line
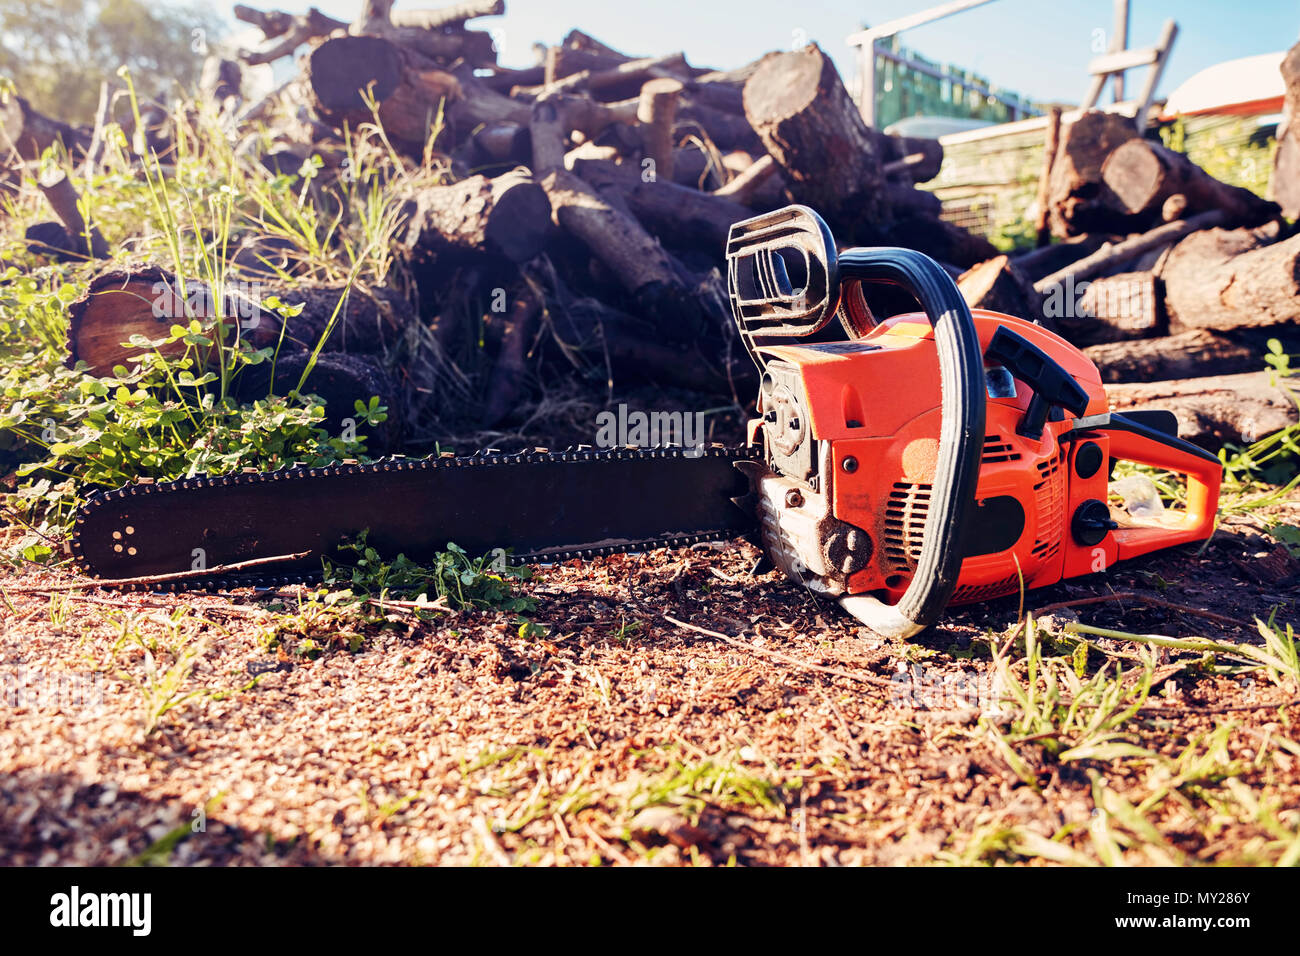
(961, 434)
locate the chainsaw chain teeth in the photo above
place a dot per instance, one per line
(396, 463)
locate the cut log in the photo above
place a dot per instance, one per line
(678, 215)
(1052, 258)
(1123, 306)
(801, 111)
(635, 259)
(294, 29)
(997, 285)
(1223, 279)
(747, 184)
(509, 379)
(939, 239)
(1076, 202)
(506, 216)
(622, 81)
(1218, 409)
(1142, 175)
(63, 199)
(1187, 354)
(915, 160)
(725, 129)
(906, 200)
(119, 304)
(1113, 255)
(656, 112)
(340, 381)
(51, 240)
(454, 15)
(1286, 163)
(30, 133)
(409, 99)
(479, 103)
(502, 142)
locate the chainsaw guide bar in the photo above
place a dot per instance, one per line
(534, 506)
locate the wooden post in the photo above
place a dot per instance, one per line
(1119, 41)
(1045, 180)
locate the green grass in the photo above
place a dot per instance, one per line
(162, 415)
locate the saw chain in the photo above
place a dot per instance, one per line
(529, 507)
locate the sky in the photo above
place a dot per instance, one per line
(1039, 48)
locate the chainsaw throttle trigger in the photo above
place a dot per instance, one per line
(1053, 386)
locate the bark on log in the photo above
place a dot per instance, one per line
(997, 285)
(727, 130)
(800, 109)
(622, 81)
(1214, 410)
(914, 159)
(1185, 355)
(509, 378)
(1142, 174)
(1222, 279)
(479, 103)
(1286, 163)
(450, 16)
(677, 215)
(1112, 255)
(636, 260)
(51, 240)
(506, 216)
(119, 304)
(656, 112)
(408, 98)
(745, 186)
(1123, 306)
(31, 133)
(62, 197)
(340, 381)
(295, 30)
(939, 239)
(1076, 201)
(1044, 261)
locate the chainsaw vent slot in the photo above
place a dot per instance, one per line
(1049, 496)
(996, 449)
(970, 593)
(905, 515)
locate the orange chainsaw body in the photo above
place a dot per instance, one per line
(871, 410)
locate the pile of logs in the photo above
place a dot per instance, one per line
(1172, 281)
(583, 204)
(586, 201)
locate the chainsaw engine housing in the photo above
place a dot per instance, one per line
(853, 464)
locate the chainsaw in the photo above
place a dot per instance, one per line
(896, 465)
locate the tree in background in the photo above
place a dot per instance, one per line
(58, 51)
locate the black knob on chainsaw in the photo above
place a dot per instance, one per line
(1091, 523)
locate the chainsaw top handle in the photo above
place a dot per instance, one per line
(961, 434)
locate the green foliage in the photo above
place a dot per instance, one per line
(1274, 459)
(454, 577)
(165, 418)
(182, 403)
(59, 51)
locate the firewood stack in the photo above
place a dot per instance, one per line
(1170, 280)
(581, 216)
(589, 197)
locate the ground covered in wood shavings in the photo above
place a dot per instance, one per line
(189, 729)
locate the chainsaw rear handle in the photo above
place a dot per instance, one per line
(961, 435)
(1134, 440)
